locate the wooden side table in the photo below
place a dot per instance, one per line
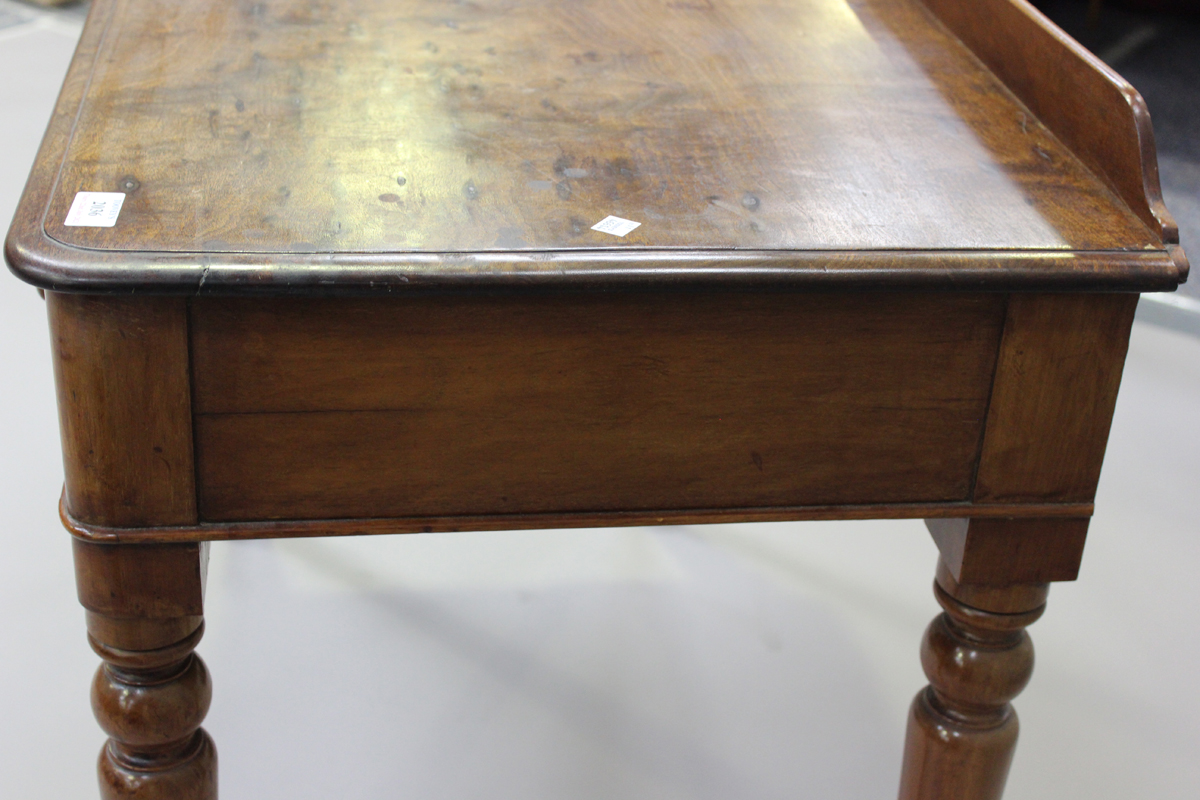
(377, 267)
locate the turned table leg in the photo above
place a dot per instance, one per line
(144, 617)
(962, 730)
(992, 581)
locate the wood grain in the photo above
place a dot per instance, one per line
(164, 581)
(1089, 107)
(124, 405)
(289, 529)
(962, 729)
(1056, 386)
(520, 126)
(1012, 598)
(457, 155)
(368, 146)
(145, 608)
(1002, 552)
(586, 403)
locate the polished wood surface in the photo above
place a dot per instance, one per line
(515, 126)
(593, 403)
(1004, 551)
(378, 146)
(145, 607)
(1090, 108)
(1053, 397)
(998, 596)
(124, 407)
(161, 582)
(962, 730)
(993, 578)
(381, 526)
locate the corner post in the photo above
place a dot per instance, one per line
(124, 400)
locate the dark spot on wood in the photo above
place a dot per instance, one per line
(563, 190)
(389, 198)
(757, 459)
(621, 168)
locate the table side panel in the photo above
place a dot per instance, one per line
(1056, 387)
(309, 408)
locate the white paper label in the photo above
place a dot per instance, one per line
(95, 209)
(615, 225)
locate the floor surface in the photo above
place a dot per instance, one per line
(722, 662)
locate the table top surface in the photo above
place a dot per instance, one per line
(409, 134)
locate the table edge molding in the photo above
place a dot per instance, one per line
(55, 267)
(294, 529)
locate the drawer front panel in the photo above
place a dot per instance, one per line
(324, 408)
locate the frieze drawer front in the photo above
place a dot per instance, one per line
(326, 408)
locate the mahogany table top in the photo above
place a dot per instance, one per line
(296, 144)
